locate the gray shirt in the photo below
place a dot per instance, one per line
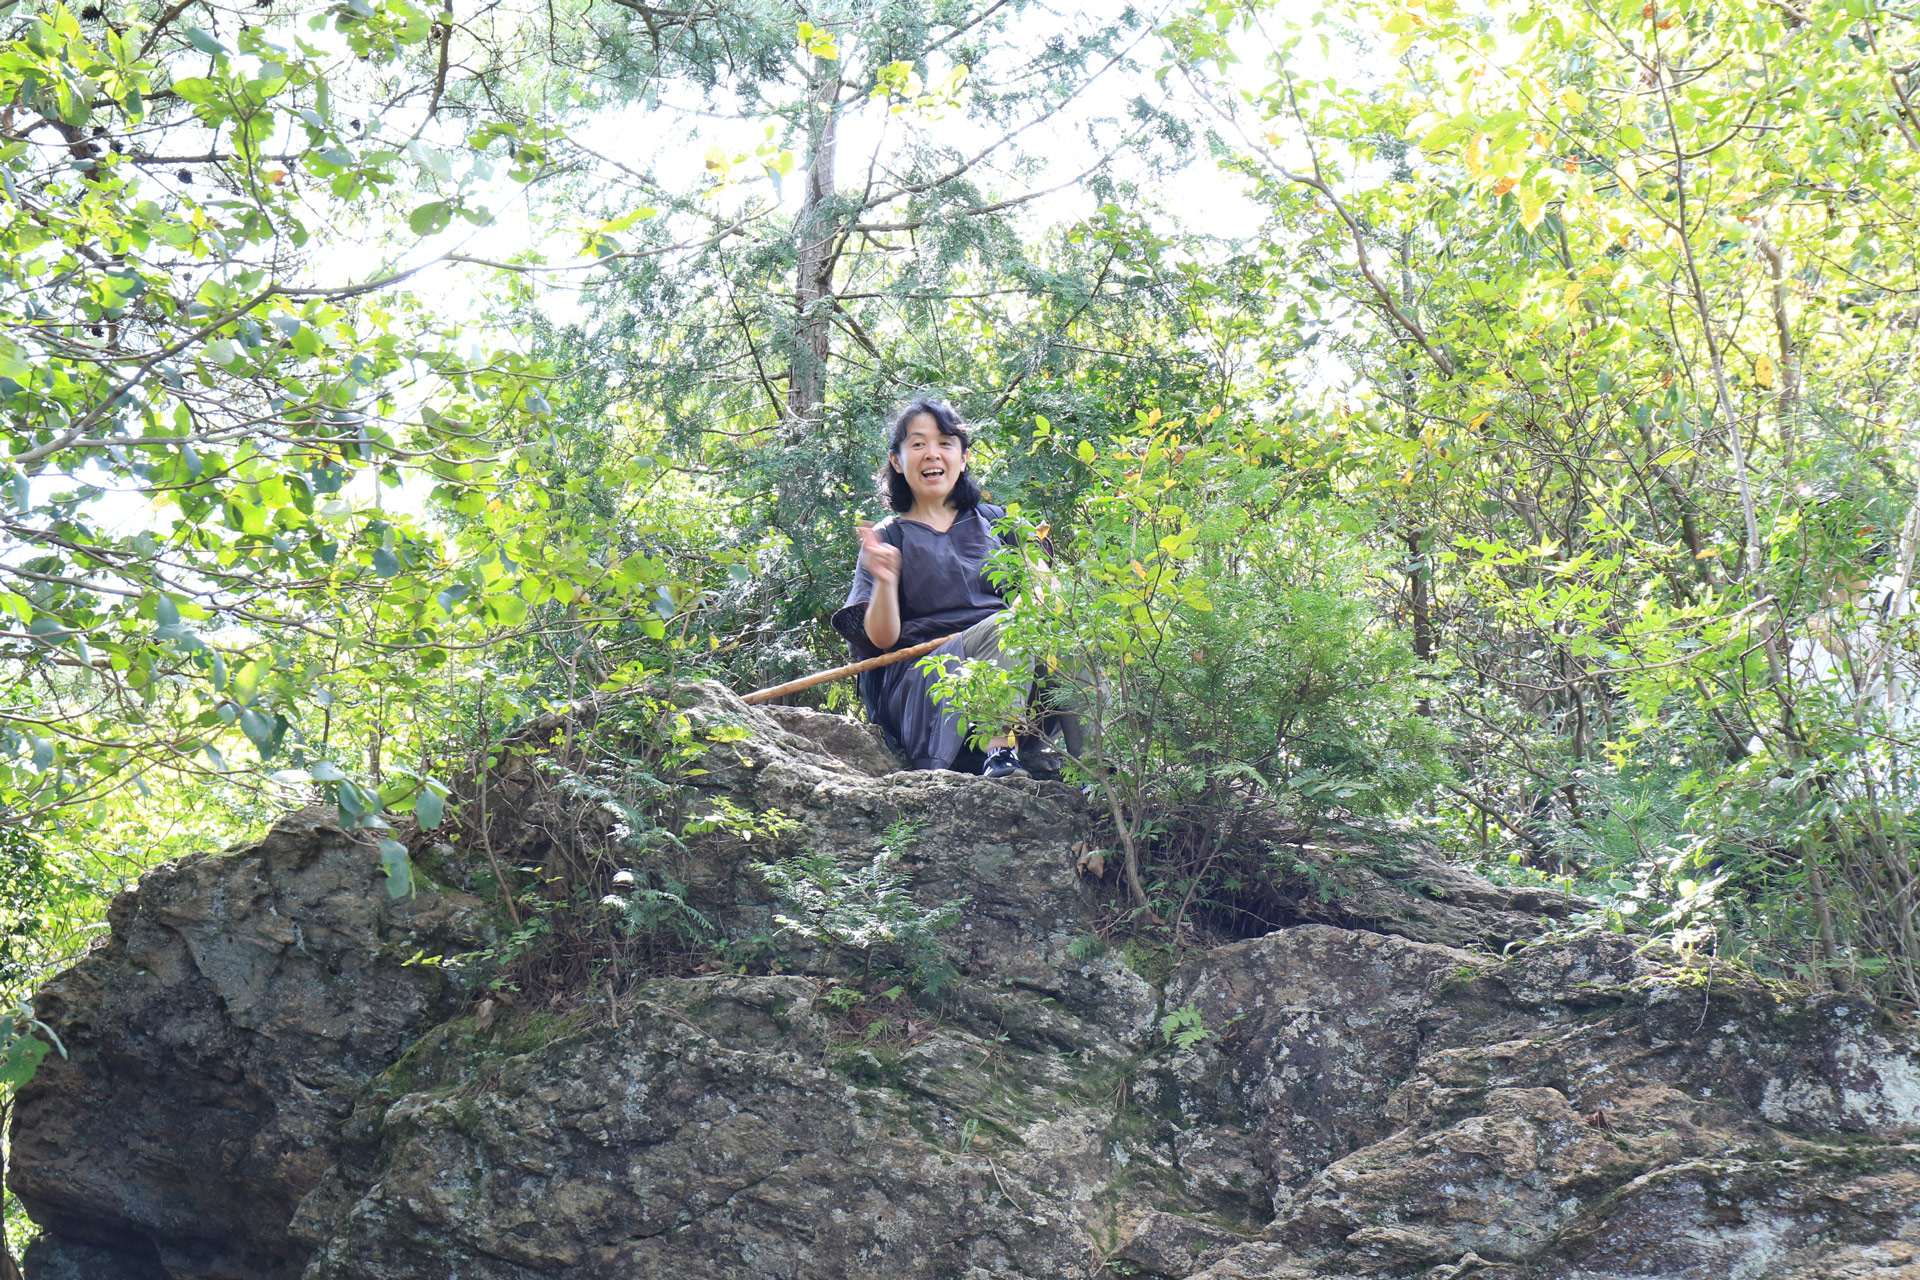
(943, 581)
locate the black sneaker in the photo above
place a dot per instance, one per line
(1003, 763)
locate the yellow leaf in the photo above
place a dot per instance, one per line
(1475, 155)
(1764, 372)
(1533, 207)
(1505, 185)
(1482, 417)
(1572, 101)
(1139, 571)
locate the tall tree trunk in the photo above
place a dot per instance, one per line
(1753, 554)
(1419, 576)
(817, 235)
(1415, 535)
(1419, 583)
(1787, 405)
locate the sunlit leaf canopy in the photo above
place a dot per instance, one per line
(1493, 418)
(262, 437)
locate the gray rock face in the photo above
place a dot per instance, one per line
(720, 1131)
(260, 1089)
(217, 1041)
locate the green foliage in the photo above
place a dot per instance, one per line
(36, 890)
(1621, 417)
(1089, 947)
(986, 697)
(1535, 476)
(1214, 633)
(1183, 1028)
(868, 910)
(24, 1042)
(584, 838)
(644, 909)
(196, 436)
(1294, 690)
(969, 1129)
(859, 909)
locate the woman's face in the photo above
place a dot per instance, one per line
(931, 462)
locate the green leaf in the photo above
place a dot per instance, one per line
(196, 89)
(428, 807)
(19, 1060)
(1442, 134)
(430, 217)
(204, 42)
(1533, 207)
(258, 726)
(399, 868)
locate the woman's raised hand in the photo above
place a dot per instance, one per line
(881, 557)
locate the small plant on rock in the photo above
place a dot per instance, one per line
(1184, 1028)
(867, 910)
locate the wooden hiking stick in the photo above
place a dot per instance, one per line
(851, 669)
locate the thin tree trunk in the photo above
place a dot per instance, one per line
(1787, 407)
(817, 235)
(1754, 553)
(1419, 583)
(1416, 536)
(9, 1270)
(377, 740)
(1418, 579)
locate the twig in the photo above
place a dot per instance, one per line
(1003, 1186)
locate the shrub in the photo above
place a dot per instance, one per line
(1213, 629)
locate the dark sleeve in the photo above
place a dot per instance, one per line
(850, 619)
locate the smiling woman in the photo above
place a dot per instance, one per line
(922, 575)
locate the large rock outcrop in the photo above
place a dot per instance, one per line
(216, 1042)
(261, 1088)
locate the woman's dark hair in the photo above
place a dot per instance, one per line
(894, 488)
